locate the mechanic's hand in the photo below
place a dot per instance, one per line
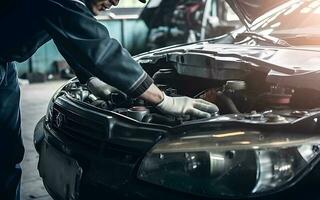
(186, 106)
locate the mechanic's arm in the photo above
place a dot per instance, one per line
(168, 105)
(88, 48)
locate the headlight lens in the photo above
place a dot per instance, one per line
(219, 166)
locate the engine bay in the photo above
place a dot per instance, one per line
(250, 99)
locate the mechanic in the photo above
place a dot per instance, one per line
(87, 47)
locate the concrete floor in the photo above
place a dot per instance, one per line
(34, 101)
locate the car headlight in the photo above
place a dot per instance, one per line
(232, 164)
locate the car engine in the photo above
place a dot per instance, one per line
(248, 99)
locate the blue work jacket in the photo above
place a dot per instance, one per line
(85, 43)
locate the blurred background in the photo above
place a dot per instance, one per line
(141, 28)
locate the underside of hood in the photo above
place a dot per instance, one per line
(171, 13)
(157, 12)
(250, 10)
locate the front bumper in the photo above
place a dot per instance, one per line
(111, 173)
(106, 173)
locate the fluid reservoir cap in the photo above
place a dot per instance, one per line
(138, 112)
(235, 85)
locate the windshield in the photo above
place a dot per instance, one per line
(300, 18)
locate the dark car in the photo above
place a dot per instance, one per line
(263, 144)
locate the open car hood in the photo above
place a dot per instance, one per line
(249, 10)
(157, 12)
(162, 12)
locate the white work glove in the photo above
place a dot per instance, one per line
(178, 106)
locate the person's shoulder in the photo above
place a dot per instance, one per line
(81, 2)
(75, 8)
(69, 3)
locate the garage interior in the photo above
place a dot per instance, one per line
(249, 58)
(47, 70)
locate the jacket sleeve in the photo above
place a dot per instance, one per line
(88, 48)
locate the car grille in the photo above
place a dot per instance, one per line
(80, 128)
(81, 124)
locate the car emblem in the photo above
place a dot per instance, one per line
(59, 120)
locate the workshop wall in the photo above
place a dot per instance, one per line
(131, 33)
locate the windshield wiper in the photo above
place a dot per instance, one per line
(265, 38)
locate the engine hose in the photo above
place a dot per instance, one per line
(101, 89)
(225, 103)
